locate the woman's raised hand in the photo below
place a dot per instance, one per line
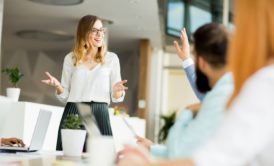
(118, 88)
(52, 81)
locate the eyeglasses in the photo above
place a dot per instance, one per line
(96, 31)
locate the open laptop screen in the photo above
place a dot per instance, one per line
(38, 136)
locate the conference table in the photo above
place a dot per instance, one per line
(42, 158)
(18, 119)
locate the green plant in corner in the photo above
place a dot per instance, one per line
(14, 75)
(72, 121)
(168, 123)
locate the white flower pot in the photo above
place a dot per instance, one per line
(73, 141)
(13, 93)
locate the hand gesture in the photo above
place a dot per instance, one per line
(183, 51)
(12, 141)
(146, 143)
(134, 156)
(118, 88)
(52, 81)
(194, 108)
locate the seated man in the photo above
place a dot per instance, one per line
(11, 142)
(189, 133)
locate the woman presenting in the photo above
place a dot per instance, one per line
(90, 74)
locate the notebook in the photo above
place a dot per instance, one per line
(38, 136)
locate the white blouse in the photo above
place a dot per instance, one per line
(84, 85)
(246, 137)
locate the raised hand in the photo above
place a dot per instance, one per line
(52, 81)
(118, 88)
(184, 50)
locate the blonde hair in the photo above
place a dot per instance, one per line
(82, 46)
(253, 41)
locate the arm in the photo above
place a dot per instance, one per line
(159, 151)
(117, 87)
(183, 52)
(62, 91)
(189, 68)
(139, 157)
(183, 119)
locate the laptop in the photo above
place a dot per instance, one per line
(38, 136)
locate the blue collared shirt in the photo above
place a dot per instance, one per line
(188, 134)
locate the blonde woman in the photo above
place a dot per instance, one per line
(90, 75)
(246, 136)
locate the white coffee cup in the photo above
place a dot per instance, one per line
(101, 151)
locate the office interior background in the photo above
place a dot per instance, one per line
(37, 34)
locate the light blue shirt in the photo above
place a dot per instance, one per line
(188, 134)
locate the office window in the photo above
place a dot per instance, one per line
(191, 14)
(175, 17)
(198, 17)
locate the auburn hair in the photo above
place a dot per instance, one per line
(253, 41)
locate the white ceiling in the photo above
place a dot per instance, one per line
(132, 20)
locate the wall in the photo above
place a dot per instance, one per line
(169, 90)
(1, 22)
(129, 62)
(34, 63)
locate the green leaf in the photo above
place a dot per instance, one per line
(14, 75)
(169, 120)
(72, 121)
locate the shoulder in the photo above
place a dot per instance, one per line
(69, 58)
(222, 90)
(260, 83)
(256, 91)
(263, 76)
(111, 57)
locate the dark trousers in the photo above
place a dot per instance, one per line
(100, 112)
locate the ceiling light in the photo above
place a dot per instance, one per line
(59, 2)
(44, 35)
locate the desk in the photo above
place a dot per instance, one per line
(17, 119)
(42, 158)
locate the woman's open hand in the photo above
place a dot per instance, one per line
(51, 81)
(119, 88)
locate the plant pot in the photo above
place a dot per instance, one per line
(13, 93)
(73, 141)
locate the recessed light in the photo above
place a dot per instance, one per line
(44, 35)
(59, 2)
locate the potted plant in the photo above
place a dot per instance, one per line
(169, 120)
(14, 77)
(73, 136)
